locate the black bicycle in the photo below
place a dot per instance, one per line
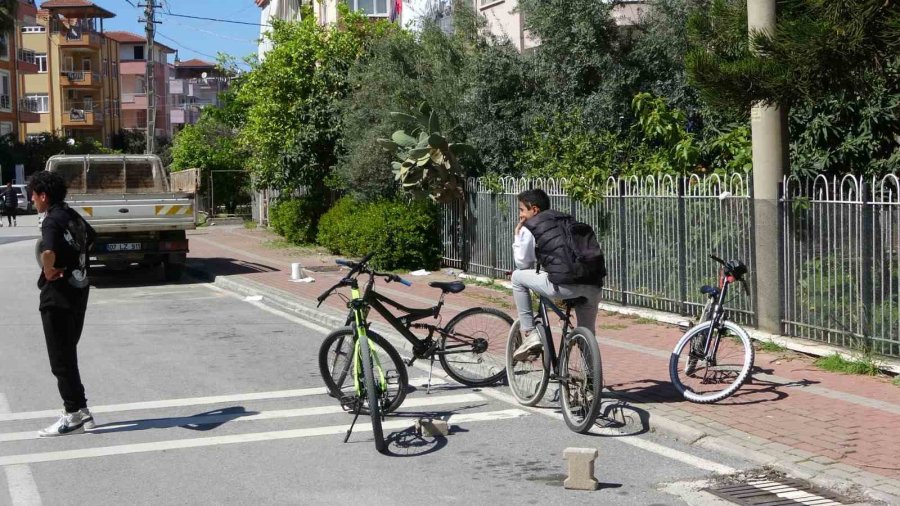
(577, 368)
(469, 347)
(714, 358)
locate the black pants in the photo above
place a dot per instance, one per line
(10, 213)
(62, 330)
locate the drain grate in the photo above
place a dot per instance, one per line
(774, 493)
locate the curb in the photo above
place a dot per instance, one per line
(329, 318)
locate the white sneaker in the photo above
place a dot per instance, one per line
(87, 417)
(531, 345)
(68, 423)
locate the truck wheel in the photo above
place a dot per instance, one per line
(172, 272)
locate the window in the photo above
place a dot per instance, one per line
(5, 91)
(86, 65)
(6, 128)
(371, 7)
(138, 52)
(34, 29)
(41, 60)
(38, 103)
(4, 46)
(68, 64)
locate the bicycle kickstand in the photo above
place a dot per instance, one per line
(430, 371)
(350, 430)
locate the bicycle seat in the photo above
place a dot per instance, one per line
(448, 286)
(577, 301)
(709, 290)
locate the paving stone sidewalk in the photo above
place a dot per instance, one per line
(834, 429)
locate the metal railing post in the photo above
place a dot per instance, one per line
(623, 245)
(681, 236)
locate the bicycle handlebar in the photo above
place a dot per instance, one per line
(360, 267)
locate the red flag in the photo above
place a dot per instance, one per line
(396, 9)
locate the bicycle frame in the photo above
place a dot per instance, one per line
(401, 323)
(357, 305)
(545, 322)
(718, 313)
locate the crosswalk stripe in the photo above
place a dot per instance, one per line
(104, 451)
(193, 401)
(209, 419)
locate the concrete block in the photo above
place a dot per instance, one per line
(581, 468)
(430, 427)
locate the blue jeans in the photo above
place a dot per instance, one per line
(524, 280)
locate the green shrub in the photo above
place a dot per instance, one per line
(401, 235)
(296, 219)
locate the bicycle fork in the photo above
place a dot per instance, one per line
(358, 357)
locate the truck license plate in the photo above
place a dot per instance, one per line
(125, 246)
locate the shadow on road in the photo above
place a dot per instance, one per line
(202, 421)
(198, 271)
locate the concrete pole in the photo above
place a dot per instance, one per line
(769, 132)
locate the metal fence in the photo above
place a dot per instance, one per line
(656, 234)
(841, 257)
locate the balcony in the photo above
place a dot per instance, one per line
(78, 78)
(26, 61)
(29, 111)
(134, 101)
(79, 37)
(82, 115)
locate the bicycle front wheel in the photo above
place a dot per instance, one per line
(472, 350)
(373, 393)
(336, 366)
(581, 383)
(527, 378)
(703, 376)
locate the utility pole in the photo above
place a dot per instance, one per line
(150, 20)
(768, 127)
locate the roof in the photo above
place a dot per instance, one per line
(262, 3)
(194, 63)
(77, 9)
(133, 38)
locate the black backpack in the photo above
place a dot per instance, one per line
(567, 249)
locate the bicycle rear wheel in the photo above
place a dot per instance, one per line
(336, 366)
(527, 378)
(472, 350)
(707, 377)
(373, 393)
(581, 383)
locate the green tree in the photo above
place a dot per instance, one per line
(211, 145)
(292, 126)
(8, 10)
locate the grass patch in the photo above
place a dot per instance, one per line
(896, 381)
(250, 224)
(289, 247)
(645, 321)
(863, 364)
(489, 284)
(770, 346)
(612, 326)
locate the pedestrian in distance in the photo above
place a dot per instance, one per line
(10, 203)
(62, 254)
(556, 257)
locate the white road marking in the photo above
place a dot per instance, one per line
(192, 401)
(262, 415)
(32, 458)
(22, 488)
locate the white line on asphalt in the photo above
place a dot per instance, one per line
(192, 401)
(262, 415)
(32, 458)
(22, 488)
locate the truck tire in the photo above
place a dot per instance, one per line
(172, 272)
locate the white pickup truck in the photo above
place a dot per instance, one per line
(139, 215)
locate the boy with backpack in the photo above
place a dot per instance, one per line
(556, 257)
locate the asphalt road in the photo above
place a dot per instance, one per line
(202, 397)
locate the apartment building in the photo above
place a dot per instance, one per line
(504, 20)
(75, 91)
(133, 82)
(194, 85)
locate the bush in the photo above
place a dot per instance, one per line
(401, 235)
(296, 219)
